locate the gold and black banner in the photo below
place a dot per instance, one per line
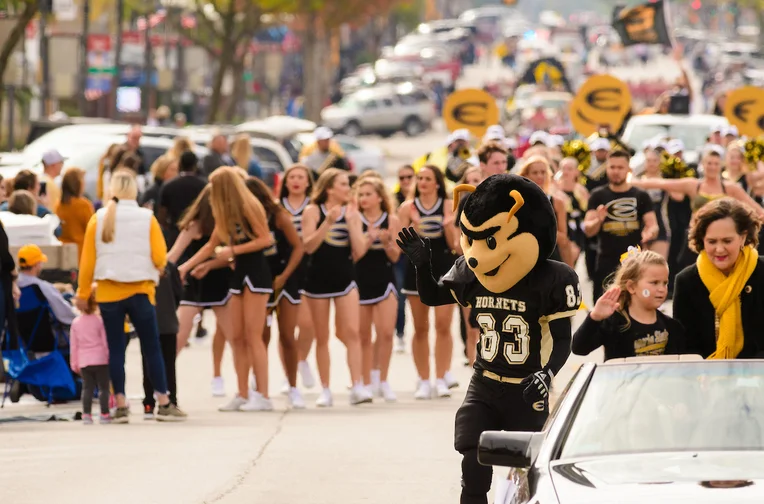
(643, 24)
(546, 70)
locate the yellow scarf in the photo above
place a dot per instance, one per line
(724, 294)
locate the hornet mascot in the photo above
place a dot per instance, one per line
(521, 301)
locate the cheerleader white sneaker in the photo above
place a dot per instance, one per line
(325, 399)
(218, 387)
(450, 380)
(360, 395)
(386, 392)
(400, 345)
(234, 404)
(441, 389)
(375, 380)
(295, 399)
(423, 390)
(285, 388)
(306, 374)
(257, 402)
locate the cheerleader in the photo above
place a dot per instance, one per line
(537, 170)
(242, 228)
(284, 257)
(332, 232)
(576, 198)
(295, 197)
(660, 203)
(207, 284)
(406, 176)
(376, 283)
(431, 214)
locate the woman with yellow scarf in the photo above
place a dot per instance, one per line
(720, 299)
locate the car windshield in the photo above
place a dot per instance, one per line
(350, 103)
(664, 407)
(693, 135)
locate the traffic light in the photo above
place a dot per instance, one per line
(696, 5)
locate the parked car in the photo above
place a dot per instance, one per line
(692, 130)
(84, 151)
(281, 129)
(384, 109)
(630, 431)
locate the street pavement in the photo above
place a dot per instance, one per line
(375, 454)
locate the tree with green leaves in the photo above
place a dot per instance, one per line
(23, 11)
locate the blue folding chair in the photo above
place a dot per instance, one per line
(50, 374)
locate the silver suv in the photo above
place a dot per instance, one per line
(384, 109)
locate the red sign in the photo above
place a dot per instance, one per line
(99, 43)
(132, 38)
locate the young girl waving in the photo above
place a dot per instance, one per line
(626, 319)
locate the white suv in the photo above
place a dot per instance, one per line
(384, 109)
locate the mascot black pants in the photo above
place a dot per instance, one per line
(489, 405)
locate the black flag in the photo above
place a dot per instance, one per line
(644, 24)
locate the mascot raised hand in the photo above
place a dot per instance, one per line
(520, 299)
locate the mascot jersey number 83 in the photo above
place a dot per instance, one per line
(522, 302)
(508, 232)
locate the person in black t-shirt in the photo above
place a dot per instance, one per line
(626, 320)
(621, 216)
(177, 195)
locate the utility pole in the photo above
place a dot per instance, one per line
(147, 70)
(118, 55)
(84, 55)
(45, 10)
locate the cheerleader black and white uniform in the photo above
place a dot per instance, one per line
(330, 272)
(210, 291)
(374, 271)
(658, 197)
(278, 257)
(296, 284)
(430, 226)
(251, 271)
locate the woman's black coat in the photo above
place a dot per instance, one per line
(694, 310)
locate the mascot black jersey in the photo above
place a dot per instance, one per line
(515, 339)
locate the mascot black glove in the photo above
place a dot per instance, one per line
(537, 386)
(415, 248)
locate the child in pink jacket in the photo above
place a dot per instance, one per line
(89, 358)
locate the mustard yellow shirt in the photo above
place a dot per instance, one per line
(53, 192)
(109, 291)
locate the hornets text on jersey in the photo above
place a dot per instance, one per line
(515, 340)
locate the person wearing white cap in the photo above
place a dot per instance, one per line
(52, 163)
(729, 133)
(595, 174)
(715, 134)
(323, 153)
(675, 147)
(539, 138)
(494, 133)
(451, 158)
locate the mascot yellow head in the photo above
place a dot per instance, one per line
(508, 227)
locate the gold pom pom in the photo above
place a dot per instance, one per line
(754, 151)
(579, 150)
(673, 167)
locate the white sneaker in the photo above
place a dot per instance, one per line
(441, 389)
(375, 378)
(234, 405)
(218, 387)
(325, 399)
(368, 388)
(257, 402)
(360, 395)
(400, 345)
(306, 374)
(295, 399)
(423, 390)
(450, 380)
(253, 383)
(386, 392)
(285, 388)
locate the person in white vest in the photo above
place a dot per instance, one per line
(123, 252)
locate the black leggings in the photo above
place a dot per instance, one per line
(168, 344)
(93, 376)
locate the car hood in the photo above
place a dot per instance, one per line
(690, 477)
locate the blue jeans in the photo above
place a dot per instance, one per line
(400, 270)
(143, 316)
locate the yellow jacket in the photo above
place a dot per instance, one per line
(334, 148)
